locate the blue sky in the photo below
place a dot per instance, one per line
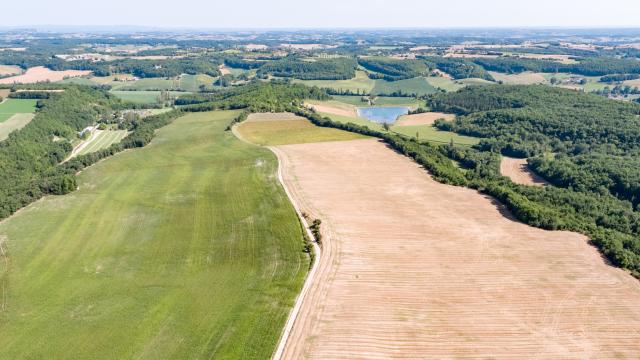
(323, 13)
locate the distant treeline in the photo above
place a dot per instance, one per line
(619, 78)
(596, 66)
(393, 69)
(317, 69)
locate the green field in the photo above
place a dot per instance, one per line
(444, 83)
(354, 120)
(192, 82)
(15, 122)
(10, 107)
(143, 97)
(185, 249)
(103, 140)
(417, 85)
(148, 84)
(280, 132)
(360, 82)
(432, 134)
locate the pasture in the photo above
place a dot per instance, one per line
(278, 129)
(10, 107)
(187, 248)
(444, 83)
(418, 86)
(430, 133)
(360, 83)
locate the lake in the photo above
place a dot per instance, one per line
(386, 114)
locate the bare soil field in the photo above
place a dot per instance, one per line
(4, 93)
(518, 171)
(334, 107)
(524, 78)
(412, 268)
(426, 118)
(42, 74)
(9, 70)
(224, 70)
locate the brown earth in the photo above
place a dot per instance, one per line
(426, 118)
(42, 74)
(518, 171)
(224, 70)
(334, 108)
(412, 268)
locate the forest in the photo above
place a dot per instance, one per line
(458, 68)
(315, 69)
(393, 69)
(593, 66)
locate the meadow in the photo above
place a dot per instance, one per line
(430, 133)
(187, 248)
(102, 140)
(360, 83)
(289, 131)
(143, 97)
(10, 107)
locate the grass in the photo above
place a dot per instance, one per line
(417, 85)
(299, 131)
(185, 249)
(15, 122)
(103, 140)
(360, 82)
(444, 83)
(354, 120)
(148, 84)
(10, 107)
(432, 134)
(192, 82)
(143, 97)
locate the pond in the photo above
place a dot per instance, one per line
(386, 114)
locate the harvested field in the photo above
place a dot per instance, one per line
(4, 93)
(284, 128)
(412, 267)
(518, 171)
(333, 107)
(524, 78)
(42, 74)
(427, 118)
(9, 70)
(224, 70)
(15, 122)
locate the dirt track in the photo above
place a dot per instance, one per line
(518, 171)
(412, 268)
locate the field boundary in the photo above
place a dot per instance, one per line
(293, 314)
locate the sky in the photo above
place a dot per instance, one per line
(260, 14)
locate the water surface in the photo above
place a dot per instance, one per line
(386, 114)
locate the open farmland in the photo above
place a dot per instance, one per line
(187, 248)
(13, 123)
(278, 129)
(100, 139)
(7, 70)
(430, 133)
(399, 278)
(360, 83)
(10, 107)
(523, 78)
(42, 74)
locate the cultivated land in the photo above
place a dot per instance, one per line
(518, 171)
(430, 133)
(15, 122)
(42, 74)
(11, 107)
(100, 139)
(360, 82)
(523, 78)
(445, 272)
(427, 118)
(9, 70)
(283, 128)
(187, 248)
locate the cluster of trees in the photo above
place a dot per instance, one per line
(585, 145)
(28, 157)
(458, 68)
(594, 66)
(615, 78)
(618, 90)
(611, 223)
(393, 69)
(318, 69)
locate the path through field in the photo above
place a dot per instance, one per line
(412, 268)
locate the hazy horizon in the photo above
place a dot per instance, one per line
(328, 14)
